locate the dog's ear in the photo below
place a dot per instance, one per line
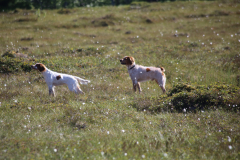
(131, 59)
(41, 67)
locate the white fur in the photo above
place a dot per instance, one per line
(140, 73)
(51, 80)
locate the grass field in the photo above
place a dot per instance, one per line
(198, 44)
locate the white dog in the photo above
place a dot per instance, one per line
(140, 73)
(55, 79)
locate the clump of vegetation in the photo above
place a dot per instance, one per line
(104, 21)
(185, 97)
(11, 65)
(26, 19)
(88, 51)
(181, 88)
(215, 13)
(64, 11)
(139, 5)
(27, 39)
(14, 54)
(13, 62)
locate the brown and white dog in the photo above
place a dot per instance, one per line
(140, 73)
(55, 79)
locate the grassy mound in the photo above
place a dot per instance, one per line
(10, 65)
(184, 97)
(14, 62)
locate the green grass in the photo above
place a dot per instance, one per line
(197, 43)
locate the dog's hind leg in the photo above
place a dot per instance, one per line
(161, 85)
(75, 88)
(78, 90)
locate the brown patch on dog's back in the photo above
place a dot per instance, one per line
(148, 69)
(58, 77)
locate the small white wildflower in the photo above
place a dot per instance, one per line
(125, 154)
(230, 147)
(143, 156)
(123, 131)
(102, 153)
(229, 139)
(55, 150)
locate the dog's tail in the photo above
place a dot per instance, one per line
(162, 69)
(82, 81)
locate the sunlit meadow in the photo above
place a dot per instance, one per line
(198, 43)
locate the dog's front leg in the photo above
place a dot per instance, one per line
(139, 87)
(134, 87)
(51, 91)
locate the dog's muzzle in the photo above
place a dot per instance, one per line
(121, 61)
(33, 67)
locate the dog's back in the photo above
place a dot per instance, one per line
(142, 73)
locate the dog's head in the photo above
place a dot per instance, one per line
(127, 60)
(39, 66)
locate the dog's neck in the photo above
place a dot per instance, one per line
(130, 67)
(46, 71)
